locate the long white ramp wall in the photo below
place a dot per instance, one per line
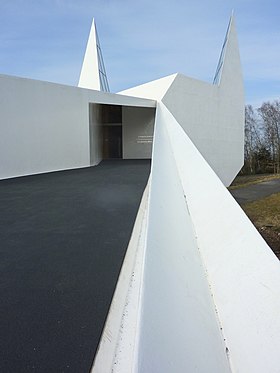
(179, 330)
(208, 297)
(243, 272)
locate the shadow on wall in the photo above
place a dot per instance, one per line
(120, 132)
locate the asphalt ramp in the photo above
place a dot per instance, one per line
(63, 237)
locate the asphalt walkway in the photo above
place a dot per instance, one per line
(63, 237)
(256, 191)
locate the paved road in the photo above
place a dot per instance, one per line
(63, 237)
(256, 191)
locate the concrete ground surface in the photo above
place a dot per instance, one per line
(256, 191)
(63, 237)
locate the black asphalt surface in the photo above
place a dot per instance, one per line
(256, 191)
(63, 237)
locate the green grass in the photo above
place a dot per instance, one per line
(265, 212)
(246, 180)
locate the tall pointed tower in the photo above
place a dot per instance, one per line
(93, 73)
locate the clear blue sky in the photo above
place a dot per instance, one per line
(141, 40)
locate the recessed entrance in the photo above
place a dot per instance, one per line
(120, 132)
(112, 131)
(112, 141)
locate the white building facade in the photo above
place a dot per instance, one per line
(199, 289)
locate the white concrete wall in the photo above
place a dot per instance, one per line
(207, 299)
(179, 331)
(211, 115)
(242, 271)
(45, 127)
(213, 118)
(138, 129)
(95, 133)
(154, 90)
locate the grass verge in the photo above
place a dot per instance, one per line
(265, 215)
(246, 180)
(265, 212)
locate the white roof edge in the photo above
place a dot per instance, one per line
(94, 96)
(155, 89)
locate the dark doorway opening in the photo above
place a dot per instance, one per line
(112, 141)
(112, 131)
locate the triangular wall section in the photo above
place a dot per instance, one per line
(154, 90)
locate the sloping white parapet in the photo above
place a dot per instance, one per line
(213, 115)
(93, 74)
(117, 351)
(243, 273)
(200, 289)
(154, 90)
(179, 330)
(162, 317)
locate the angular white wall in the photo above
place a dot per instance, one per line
(138, 131)
(207, 296)
(154, 90)
(179, 330)
(95, 134)
(211, 115)
(213, 118)
(45, 127)
(242, 272)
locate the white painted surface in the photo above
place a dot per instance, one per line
(206, 267)
(45, 127)
(118, 345)
(179, 331)
(209, 293)
(89, 77)
(95, 134)
(213, 116)
(154, 90)
(138, 130)
(243, 272)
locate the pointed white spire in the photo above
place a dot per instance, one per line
(231, 71)
(229, 64)
(93, 75)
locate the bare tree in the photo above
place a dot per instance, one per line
(270, 115)
(253, 141)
